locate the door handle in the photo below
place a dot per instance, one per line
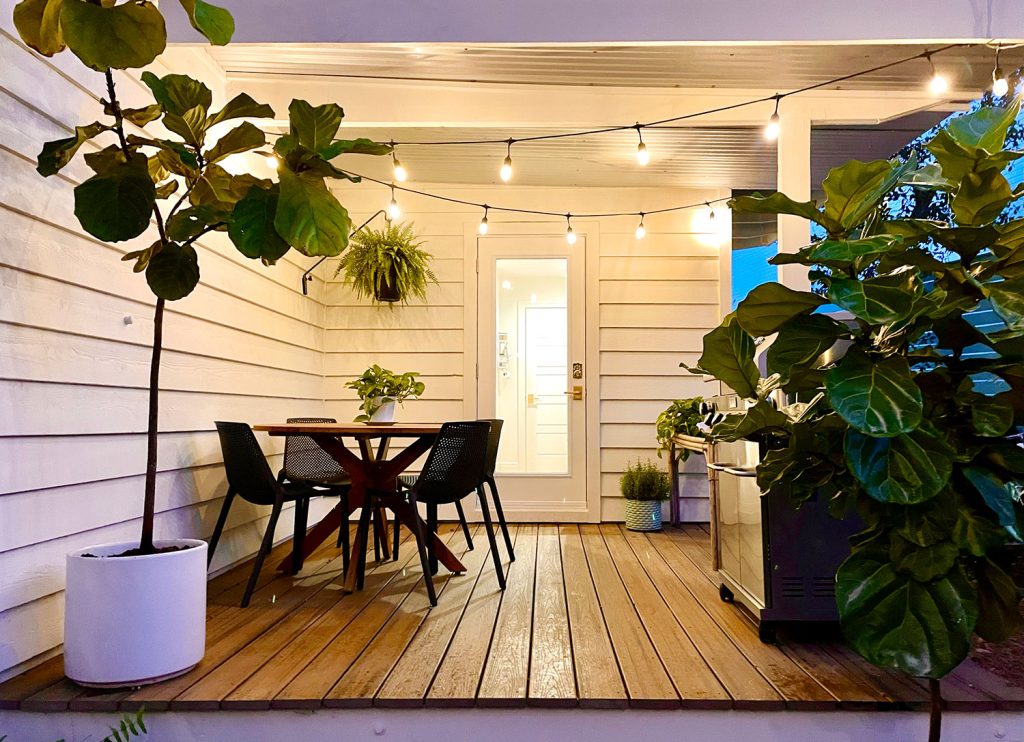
(576, 392)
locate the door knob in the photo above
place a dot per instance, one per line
(576, 393)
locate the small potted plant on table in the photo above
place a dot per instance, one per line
(645, 486)
(387, 264)
(380, 390)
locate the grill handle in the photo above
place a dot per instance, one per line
(739, 472)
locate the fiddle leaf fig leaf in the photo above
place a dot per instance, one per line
(222, 189)
(142, 116)
(880, 300)
(991, 416)
(309, 217)
(729, 355)
(770, 305)
(1002, 497)
(314, 127)
(241, 106)
(38, 24)
(192, 221)
(923, 563)
(801, 341)
(877, 397)
(242, 138)
(354, 147)
(107, 36)
(173, 272)
(998, 603)
(190, 125)
(213, 22)
(850, 251)
(985, 128)
(55, 155)
(117, 205)
(252, 225)
(1007, 299)
(853, 190)
(780, 203)
(905, 469)
(178, 93)
(763, 416)
(892, 620)
(981, 197)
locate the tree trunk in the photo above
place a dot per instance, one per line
(149, 508)
(935, 718)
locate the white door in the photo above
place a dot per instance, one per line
(531, 352)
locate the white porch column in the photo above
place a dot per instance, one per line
(794, 179)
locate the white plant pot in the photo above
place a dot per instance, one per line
(643, 515)
(385, 413)
(137, 619)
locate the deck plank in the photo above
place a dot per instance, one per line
(552, 676)
(646, 680)
(459, 675)
(748, 687)
(14, 691)
(507, 671)
(597, 670)
(696, 683)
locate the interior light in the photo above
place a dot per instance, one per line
(506, 166)
(938, 84)
(401, 174)
(641, 231)
(394, 210)
(642, 155)
(570, 236)
(1000, 86)
(507, 285)
(483, 222)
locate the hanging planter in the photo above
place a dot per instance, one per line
(387, 265)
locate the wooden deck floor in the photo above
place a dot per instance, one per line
(594, 616)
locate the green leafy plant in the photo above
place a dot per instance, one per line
(644, 480)
(172, 185)
(388, 265)
(679, 418)
(131, 725)
(378, 386)
(910, 421)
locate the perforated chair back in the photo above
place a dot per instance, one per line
(248, 472)
(306, 461)
(455, 466)
(493, 441)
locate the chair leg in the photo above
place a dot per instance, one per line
(376, 534)
(422, 535)
(219, 528)
(363, 535)
(396, 526)
(299, 537)
(501, 518)
(490, 537)
(465, 525)
(343, 540)
(432, 529)
(268, 542)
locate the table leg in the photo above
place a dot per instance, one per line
(320, 532)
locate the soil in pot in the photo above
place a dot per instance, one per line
(389, 289)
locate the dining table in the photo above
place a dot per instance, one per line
(370, 468)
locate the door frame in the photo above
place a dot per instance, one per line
(591, 321)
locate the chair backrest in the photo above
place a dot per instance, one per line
(305, 460)
(455, 466)
(493, 441)
(248, 472)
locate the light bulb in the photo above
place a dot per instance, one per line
(394, 210)
(1000, 86)
(570, 236)
(642, 155)
(771, 130)
(401, 174)
(640, 232)
(273, 162)
(506, 169)
(938, 84)
(483, 226)
(507, 285)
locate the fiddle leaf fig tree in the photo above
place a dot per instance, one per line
(912, 427)
(161, 174)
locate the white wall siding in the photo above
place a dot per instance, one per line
(73, 374)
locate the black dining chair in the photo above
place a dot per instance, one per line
(406, 482)
(305, 462)
(454, 469)
(250, 477)
(493, 442)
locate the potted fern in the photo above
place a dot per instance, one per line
(380, 390)
(388, 264)
(645, 486)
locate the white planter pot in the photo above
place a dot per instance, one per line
(137, 619)
(643, 515)
(385, 413)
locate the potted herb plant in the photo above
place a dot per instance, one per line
(914, 423)
(136, 612)
(380, 390)
(389, 264)
(645, 486)
(679, 418)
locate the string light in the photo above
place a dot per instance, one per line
(506, 166)
(938, 84)
(482, 229)
(1000, 86)
(640, 232)
(711, 212)
(642, 155)
(400, 173)
(394, 210)
(773, 127)
(272, 161)
(570, 236)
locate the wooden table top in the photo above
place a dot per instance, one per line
(353, 429)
